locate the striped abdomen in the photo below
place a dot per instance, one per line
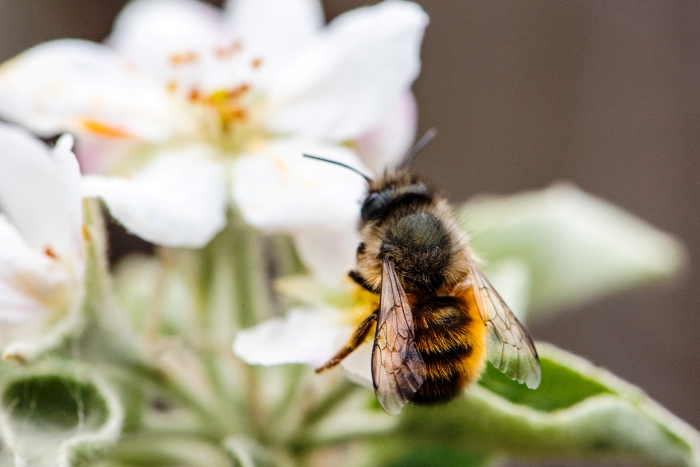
(451, 338)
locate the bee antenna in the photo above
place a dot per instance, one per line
(418, 147)
(340, 164)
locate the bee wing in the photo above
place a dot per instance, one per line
(510, 348)
(398, 370)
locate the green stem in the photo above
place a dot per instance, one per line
(97, 281)
(235, 293)
(216, 428)
(332, 400)
(293, 385)
(152, 324)
(161, 449)
(251, 275)
(254, 305)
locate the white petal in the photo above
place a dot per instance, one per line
(345, 81)
(178, 200)
(39, 191)
(358, 365)
(102, 154)
(82, 87)
(40, 299)
(68, 180)
(328, 253)
(274, 28)
(386, 145)
(32, 284)
(279, 189)
(185, 46)
(151, 32)
(302, 336)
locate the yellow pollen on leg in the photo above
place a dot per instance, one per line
(365, 303)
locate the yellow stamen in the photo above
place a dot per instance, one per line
(183, 58)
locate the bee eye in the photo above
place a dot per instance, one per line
(370, 199)
(369, 206)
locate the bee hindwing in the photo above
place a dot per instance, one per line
(510, 348)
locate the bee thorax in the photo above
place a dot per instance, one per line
(419, 246)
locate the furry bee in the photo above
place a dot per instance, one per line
(439, 318)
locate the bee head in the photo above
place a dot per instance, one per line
(392, 190)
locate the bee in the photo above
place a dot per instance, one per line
(439, 318)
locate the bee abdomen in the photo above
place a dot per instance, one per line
(451, 344)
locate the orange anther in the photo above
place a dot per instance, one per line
(183, 58)
(195, 95)
(48, 251)
(102, 129)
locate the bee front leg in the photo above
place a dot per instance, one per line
(357, 338)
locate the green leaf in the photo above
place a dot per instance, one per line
(579, 412)
(397, 454)
(56, 415)
(577, 247)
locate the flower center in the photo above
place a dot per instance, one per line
(230, 116)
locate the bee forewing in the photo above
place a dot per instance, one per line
(398, 370)
(510, 348)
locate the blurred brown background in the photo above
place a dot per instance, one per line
(605, 94)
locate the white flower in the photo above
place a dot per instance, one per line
(313, 333)
(42, 257)
(188, 105)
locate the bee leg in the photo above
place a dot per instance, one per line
(357, 338)
(355, 276)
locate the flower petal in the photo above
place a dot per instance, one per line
(39, 297)
(302, 336)
(344, 82)
(103, 154)
(358, 365)
(279, 189)
(185, 45)
(82, 87)
(328, 253)
(178, 200)
(386, 145)
(39, 191)
(30, 282)
(274, 28)
(152, 32)
(68, 181)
